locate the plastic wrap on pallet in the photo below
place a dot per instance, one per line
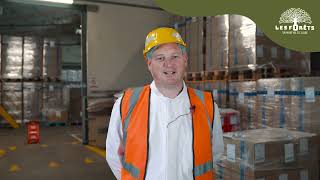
(268, 152)
(53, 95)
(12, 56)
(308, 172)
(219, 91)
(217, 42)
(285, 60)
(51, 59)
(53, 103)
(32, 57)
(12, 99)
(242, 38)
(243, 97)
(194, 31)
(250, 48)
(305, 104)
(274, 102)
(32, 100)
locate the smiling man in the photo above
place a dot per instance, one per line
(164, 130)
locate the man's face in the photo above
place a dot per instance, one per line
(167, 65)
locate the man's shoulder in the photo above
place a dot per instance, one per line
(200, 91)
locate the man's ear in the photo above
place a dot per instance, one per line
(148, 63)
(185, 60)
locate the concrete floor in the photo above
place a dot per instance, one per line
(59, 156)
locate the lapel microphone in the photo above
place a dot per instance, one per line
(192, 108)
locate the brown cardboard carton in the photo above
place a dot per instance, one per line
(98, 130)
(308, 172)
(270, 147)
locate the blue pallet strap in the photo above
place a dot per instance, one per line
(250, 94)
(262, 92)
(282, 109)
(242, 160)
(282, 113)
(290, 93)
(301, 108)
(222, 91)
(249, 105)
(263, 111)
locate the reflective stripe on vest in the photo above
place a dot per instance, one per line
(136, 103)
(132, 102)
(202, 123)
(135, 123)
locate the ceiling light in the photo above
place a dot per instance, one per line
(59, 1)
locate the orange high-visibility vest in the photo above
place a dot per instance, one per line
(135, 109)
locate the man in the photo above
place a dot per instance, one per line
(164, 131)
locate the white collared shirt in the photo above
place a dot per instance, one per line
(170, 137)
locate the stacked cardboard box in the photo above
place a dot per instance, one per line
(51, 58)
(57, 115)
(217, 49)
(219, 91)
(32, 54)
(269, 153)
(274, 103)
(249, 46)
(244, 99)
(242, 45)
(194, 40)
(100, 105)
(11, 56)
(75, 105)
(98, 127)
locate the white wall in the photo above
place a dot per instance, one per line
(71, 54)
(116, 37)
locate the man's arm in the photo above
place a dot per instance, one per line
(114, 150)
(217, 138)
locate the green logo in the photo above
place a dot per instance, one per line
(295, 21)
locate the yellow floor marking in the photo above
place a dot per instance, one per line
(97, 150)
(88, 161)
(44, 145)
(14, 168)
(2, 152)
(54, 164)
(12, 148)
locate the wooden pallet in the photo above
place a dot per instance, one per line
(79, 123)
(215, 75)
(51, 79)
(194, 76)
(242, 75)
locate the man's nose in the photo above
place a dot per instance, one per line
(168, 62)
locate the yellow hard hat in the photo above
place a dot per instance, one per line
(160, 36)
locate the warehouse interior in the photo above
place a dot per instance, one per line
(63, 65)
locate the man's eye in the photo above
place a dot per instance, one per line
(159, 58)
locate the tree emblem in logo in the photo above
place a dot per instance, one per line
(295, 16)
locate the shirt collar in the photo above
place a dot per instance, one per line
(156, 91)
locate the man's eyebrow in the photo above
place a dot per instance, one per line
(158, 55)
